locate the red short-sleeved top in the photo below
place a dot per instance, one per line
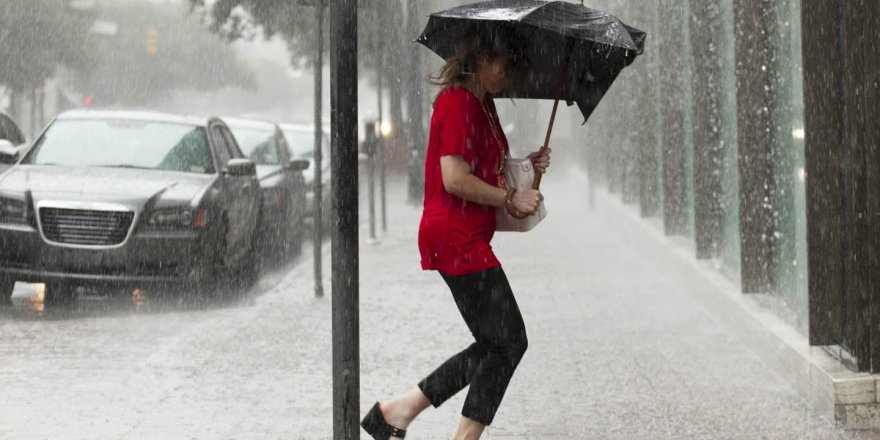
(454, 234)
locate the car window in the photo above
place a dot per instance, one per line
(123, 143)
(258, 145)
(301, 144)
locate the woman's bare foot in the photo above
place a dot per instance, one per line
(400, 411)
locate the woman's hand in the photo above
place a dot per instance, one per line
(541, 159)
(527, 201)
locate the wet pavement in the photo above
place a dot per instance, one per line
(619, 347)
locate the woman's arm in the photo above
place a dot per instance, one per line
(461, 182)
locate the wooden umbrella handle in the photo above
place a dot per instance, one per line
(536, 184)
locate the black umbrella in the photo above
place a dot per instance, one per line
(572, 52)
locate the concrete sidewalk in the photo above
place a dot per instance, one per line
(619, 345)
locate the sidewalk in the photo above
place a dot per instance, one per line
(619, 347)
(622, 345)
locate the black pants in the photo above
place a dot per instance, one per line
(488, 307)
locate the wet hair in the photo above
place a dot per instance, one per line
(473, 46)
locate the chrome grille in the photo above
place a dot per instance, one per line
(85, 227)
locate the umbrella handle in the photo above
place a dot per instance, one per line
(536, 184)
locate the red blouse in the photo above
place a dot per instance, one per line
(454, 234)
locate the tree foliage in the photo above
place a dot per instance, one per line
(293, 20)
(36, 36)
(187, 57)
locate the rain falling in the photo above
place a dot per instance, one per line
(609, 219)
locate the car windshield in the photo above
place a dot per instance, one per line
(258, 145)
(123, 143)
(301, 143)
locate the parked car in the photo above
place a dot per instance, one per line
(301, 142)
(128, 198)
(281, 180)
(12, 142)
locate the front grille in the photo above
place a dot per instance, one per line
(85, 227)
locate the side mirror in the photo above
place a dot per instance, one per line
(8, 152)
(240, 168)
(299, 164)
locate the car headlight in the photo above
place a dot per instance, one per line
(176, 217)
(13, 211)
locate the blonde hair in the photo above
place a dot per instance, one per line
(463, 64)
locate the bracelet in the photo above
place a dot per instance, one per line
(508, 203)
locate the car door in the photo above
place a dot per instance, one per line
(248, 197)
(231, 189)
(294, 182)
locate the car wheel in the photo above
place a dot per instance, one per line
(248, 270)
(59, 293)
(6, 286)
(214, 272)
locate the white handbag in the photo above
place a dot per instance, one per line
(519, 174)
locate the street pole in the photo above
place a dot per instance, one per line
(380, 144)
(414, 107)
(318, 213)
(344, 241)
(370, 144)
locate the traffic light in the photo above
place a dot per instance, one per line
(152, 41)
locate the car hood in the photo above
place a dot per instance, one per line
(101, 184)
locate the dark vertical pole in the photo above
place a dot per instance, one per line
(381, 69)
(318, 214)
(371, 142)
(672, 95)
(755, 129)
(705, 21)
(344, 165)
(646, 113)
(414, 106)
(823, 125)
(394, 61)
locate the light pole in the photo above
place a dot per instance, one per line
(344, 165)
(318, 213)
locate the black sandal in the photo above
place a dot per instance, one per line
(375, 425)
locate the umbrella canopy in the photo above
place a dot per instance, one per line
(565, 44)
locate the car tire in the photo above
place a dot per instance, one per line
(6, 287)
(248, 271)
(211, 283)
(59, 293)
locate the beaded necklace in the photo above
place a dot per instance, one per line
(499, 175)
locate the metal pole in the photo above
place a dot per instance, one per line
(414, 107)
(380, 144)
(345, 269)
(318, 213)
(371, 143)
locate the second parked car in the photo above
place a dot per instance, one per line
(281, 180)
(129, 198)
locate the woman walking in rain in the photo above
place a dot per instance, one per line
(464, 186)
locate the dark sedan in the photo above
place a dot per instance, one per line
(301, 143)
(128, 198)
(281, 180)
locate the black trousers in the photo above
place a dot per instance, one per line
(487, 305)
